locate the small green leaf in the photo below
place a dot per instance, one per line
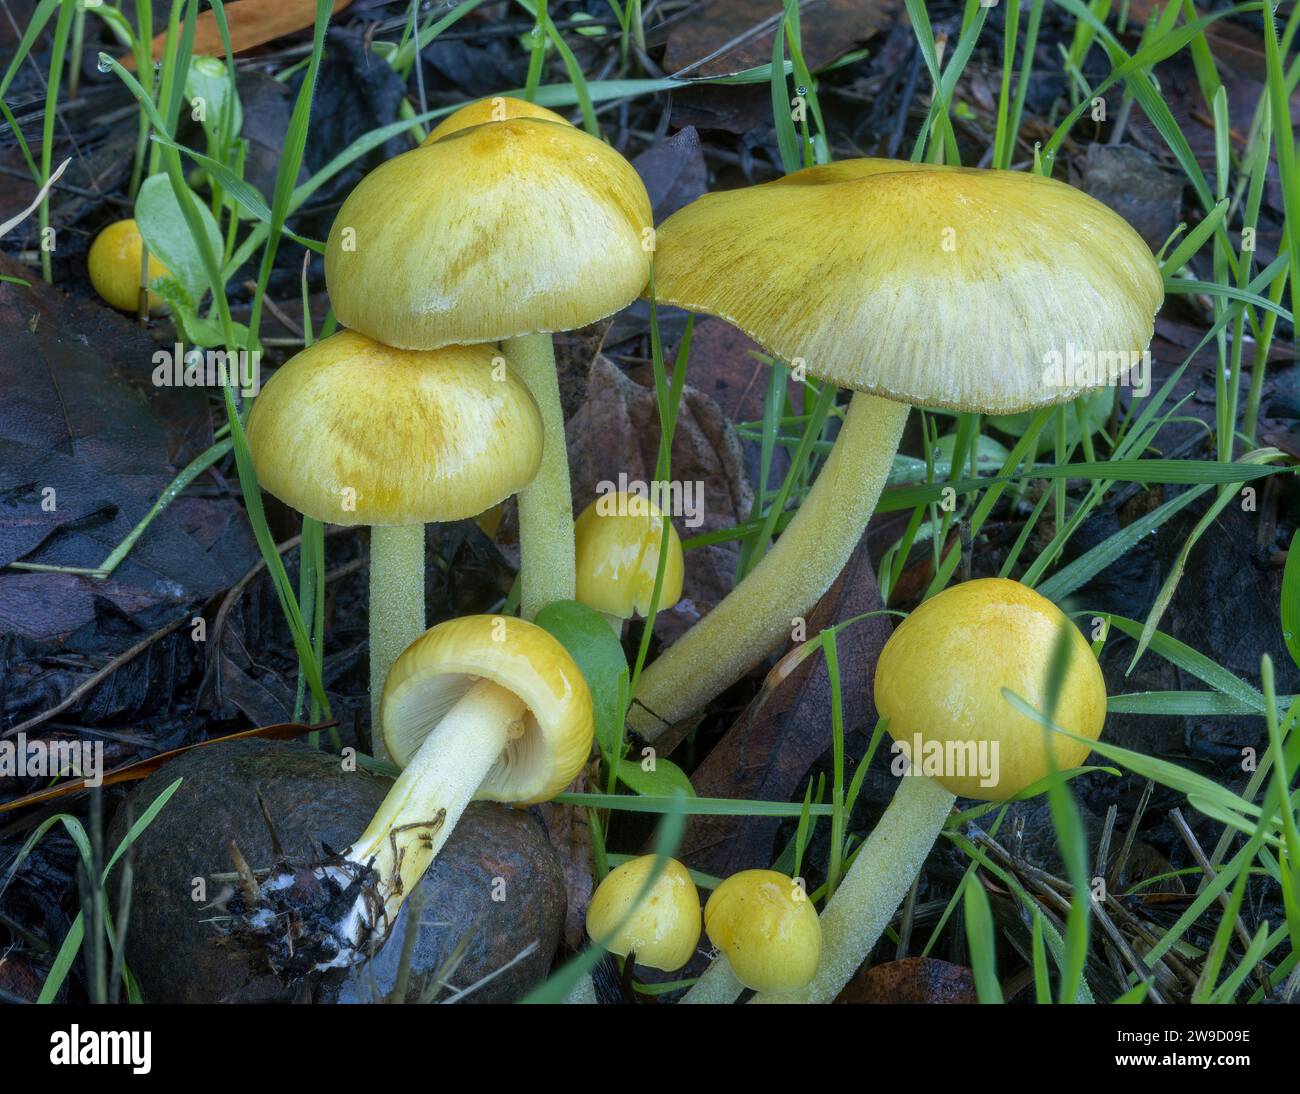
(212, 95)
(661, 780)
(163, 226)
(586, 634)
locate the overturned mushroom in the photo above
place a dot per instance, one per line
(484, 707)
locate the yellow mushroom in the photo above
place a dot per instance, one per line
(616, 541)
(354, 432)
(911, 284)
(663, 927)
(767, 928)
(498, 231)
(114, 267)
(940, 677)
(940, 681)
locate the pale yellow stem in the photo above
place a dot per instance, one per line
(428, 798)
(546, 563)
(717, 985)
(396, 608)
(759, 613)
(874, 887)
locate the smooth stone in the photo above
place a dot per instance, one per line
(497, 880)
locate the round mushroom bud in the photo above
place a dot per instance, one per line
(663, 928)
(480, 708)
(511, 225)
(498, 108)
(353, 432)
(114, 267)
(940, 679)
(768, 929)
(617, 540)
(939, 682)
(913, 284)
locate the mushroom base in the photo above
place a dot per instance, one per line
(339, 911)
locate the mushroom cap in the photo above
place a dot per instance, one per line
(402, 437)
(940, 677)
(497, 108)
(616, 542)
(494, 231)
(113, 263)
(939, 286)
(441, 665)
(665, 928)
(768, 928)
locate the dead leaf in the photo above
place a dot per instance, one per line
(87, 444)
(674, 172)
(766, 755)
(911, 980)
(283, 731)
(723, 37)
(570, 835)
(251, 23)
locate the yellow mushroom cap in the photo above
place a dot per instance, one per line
(114, 266)
(353, 432)
(495, 231)
(940, 286)
(616, 540)
(436, 669)
(664, 929)
(940, 677)
(768, 928)
(498, 108)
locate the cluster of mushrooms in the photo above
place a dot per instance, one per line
(450, 266)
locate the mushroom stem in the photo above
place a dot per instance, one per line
(396, 607)
(757, 615)
(717, 985)
(857, 915)
(428, 798)
(545, 504)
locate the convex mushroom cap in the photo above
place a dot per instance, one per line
(664, 929)
(437, 669)
(493, 231)
(114, 267)
(940, 677)
(354, 432)
(767, 927)
(498, 108)
(957, 283)
(617, 538)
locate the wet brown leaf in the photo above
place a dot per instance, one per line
(911, 980)
(141, 769)
(251, 22)
(766, 755)
(571, 837)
